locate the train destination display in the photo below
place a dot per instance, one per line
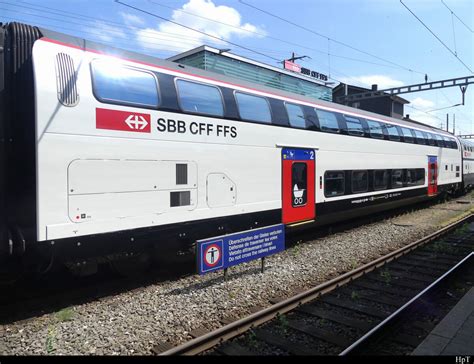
(225, 251)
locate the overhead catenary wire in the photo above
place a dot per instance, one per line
(453, 13)
(449, 49)
(101, 33)
(81, 17)
(151, 35)
(264, 35)
(326, 37)
(196, 30)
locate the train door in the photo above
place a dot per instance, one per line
(432, 176)
(298, 167)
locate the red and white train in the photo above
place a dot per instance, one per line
(105, 151)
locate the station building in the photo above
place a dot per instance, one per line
(292, 78)
(389, 105)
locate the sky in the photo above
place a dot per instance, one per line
(359, 42)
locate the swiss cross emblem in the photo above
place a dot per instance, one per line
(137, 122)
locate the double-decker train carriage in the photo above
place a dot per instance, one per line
(467, 147)
(106, 151)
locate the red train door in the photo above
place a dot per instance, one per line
(432, 176)
(298, 167)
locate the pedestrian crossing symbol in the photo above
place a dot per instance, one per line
(212, 255)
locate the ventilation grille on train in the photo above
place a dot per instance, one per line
(181, 174)
(66, 80)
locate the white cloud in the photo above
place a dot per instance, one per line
(423, 117)
(109, 33)
(132, 20)
(382, 81)
(172, 37)
(424, 104)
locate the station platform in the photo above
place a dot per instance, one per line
(454, 335)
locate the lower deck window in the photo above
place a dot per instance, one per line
(359, 181)
(334, 183)
(397, 178)
(380, 179)
(415, 177)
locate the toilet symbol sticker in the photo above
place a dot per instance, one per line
(298, 196)
(212, 255)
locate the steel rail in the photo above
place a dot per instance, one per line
(229, 331)
(357, 344)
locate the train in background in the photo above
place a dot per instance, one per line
(107, 154)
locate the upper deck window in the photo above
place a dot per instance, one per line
(253, 108)
(119, 84)
(439, 141)
(328, 121)
(295, 115)
(431, 139)
(199, 98)
(375, 129)
(354, 125)
(446, 141)
(420, 138)
(454, 144)
(407, 135)
(392, 132)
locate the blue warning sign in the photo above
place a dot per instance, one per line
(228, 250)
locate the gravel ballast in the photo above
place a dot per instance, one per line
(132, 322)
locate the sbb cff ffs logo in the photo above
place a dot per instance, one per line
(122, 120)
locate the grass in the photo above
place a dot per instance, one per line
(50, 339)
(385, 274)
(252, 339)
(354, 264)
(296, 250)
(355, 295)
(66, 314)
(282, 323)
(441, 247)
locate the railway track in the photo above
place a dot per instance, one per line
(350, 312)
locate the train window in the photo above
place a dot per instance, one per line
(392, 132)
(397, 178)
(454, 145)
(380, 179)
(431, 139)
(299, 183)
(359, 181)
(446, 142)
(334, 183)
(354, 126)
(118, 84)
(439, 141)
(407, 135)
(420, 176)
(253, 108)
(420, 138)
(415, 177)
(295, 115)
(199, 98)
(375, 129)
(328, 121)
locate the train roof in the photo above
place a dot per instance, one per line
(81, 43)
